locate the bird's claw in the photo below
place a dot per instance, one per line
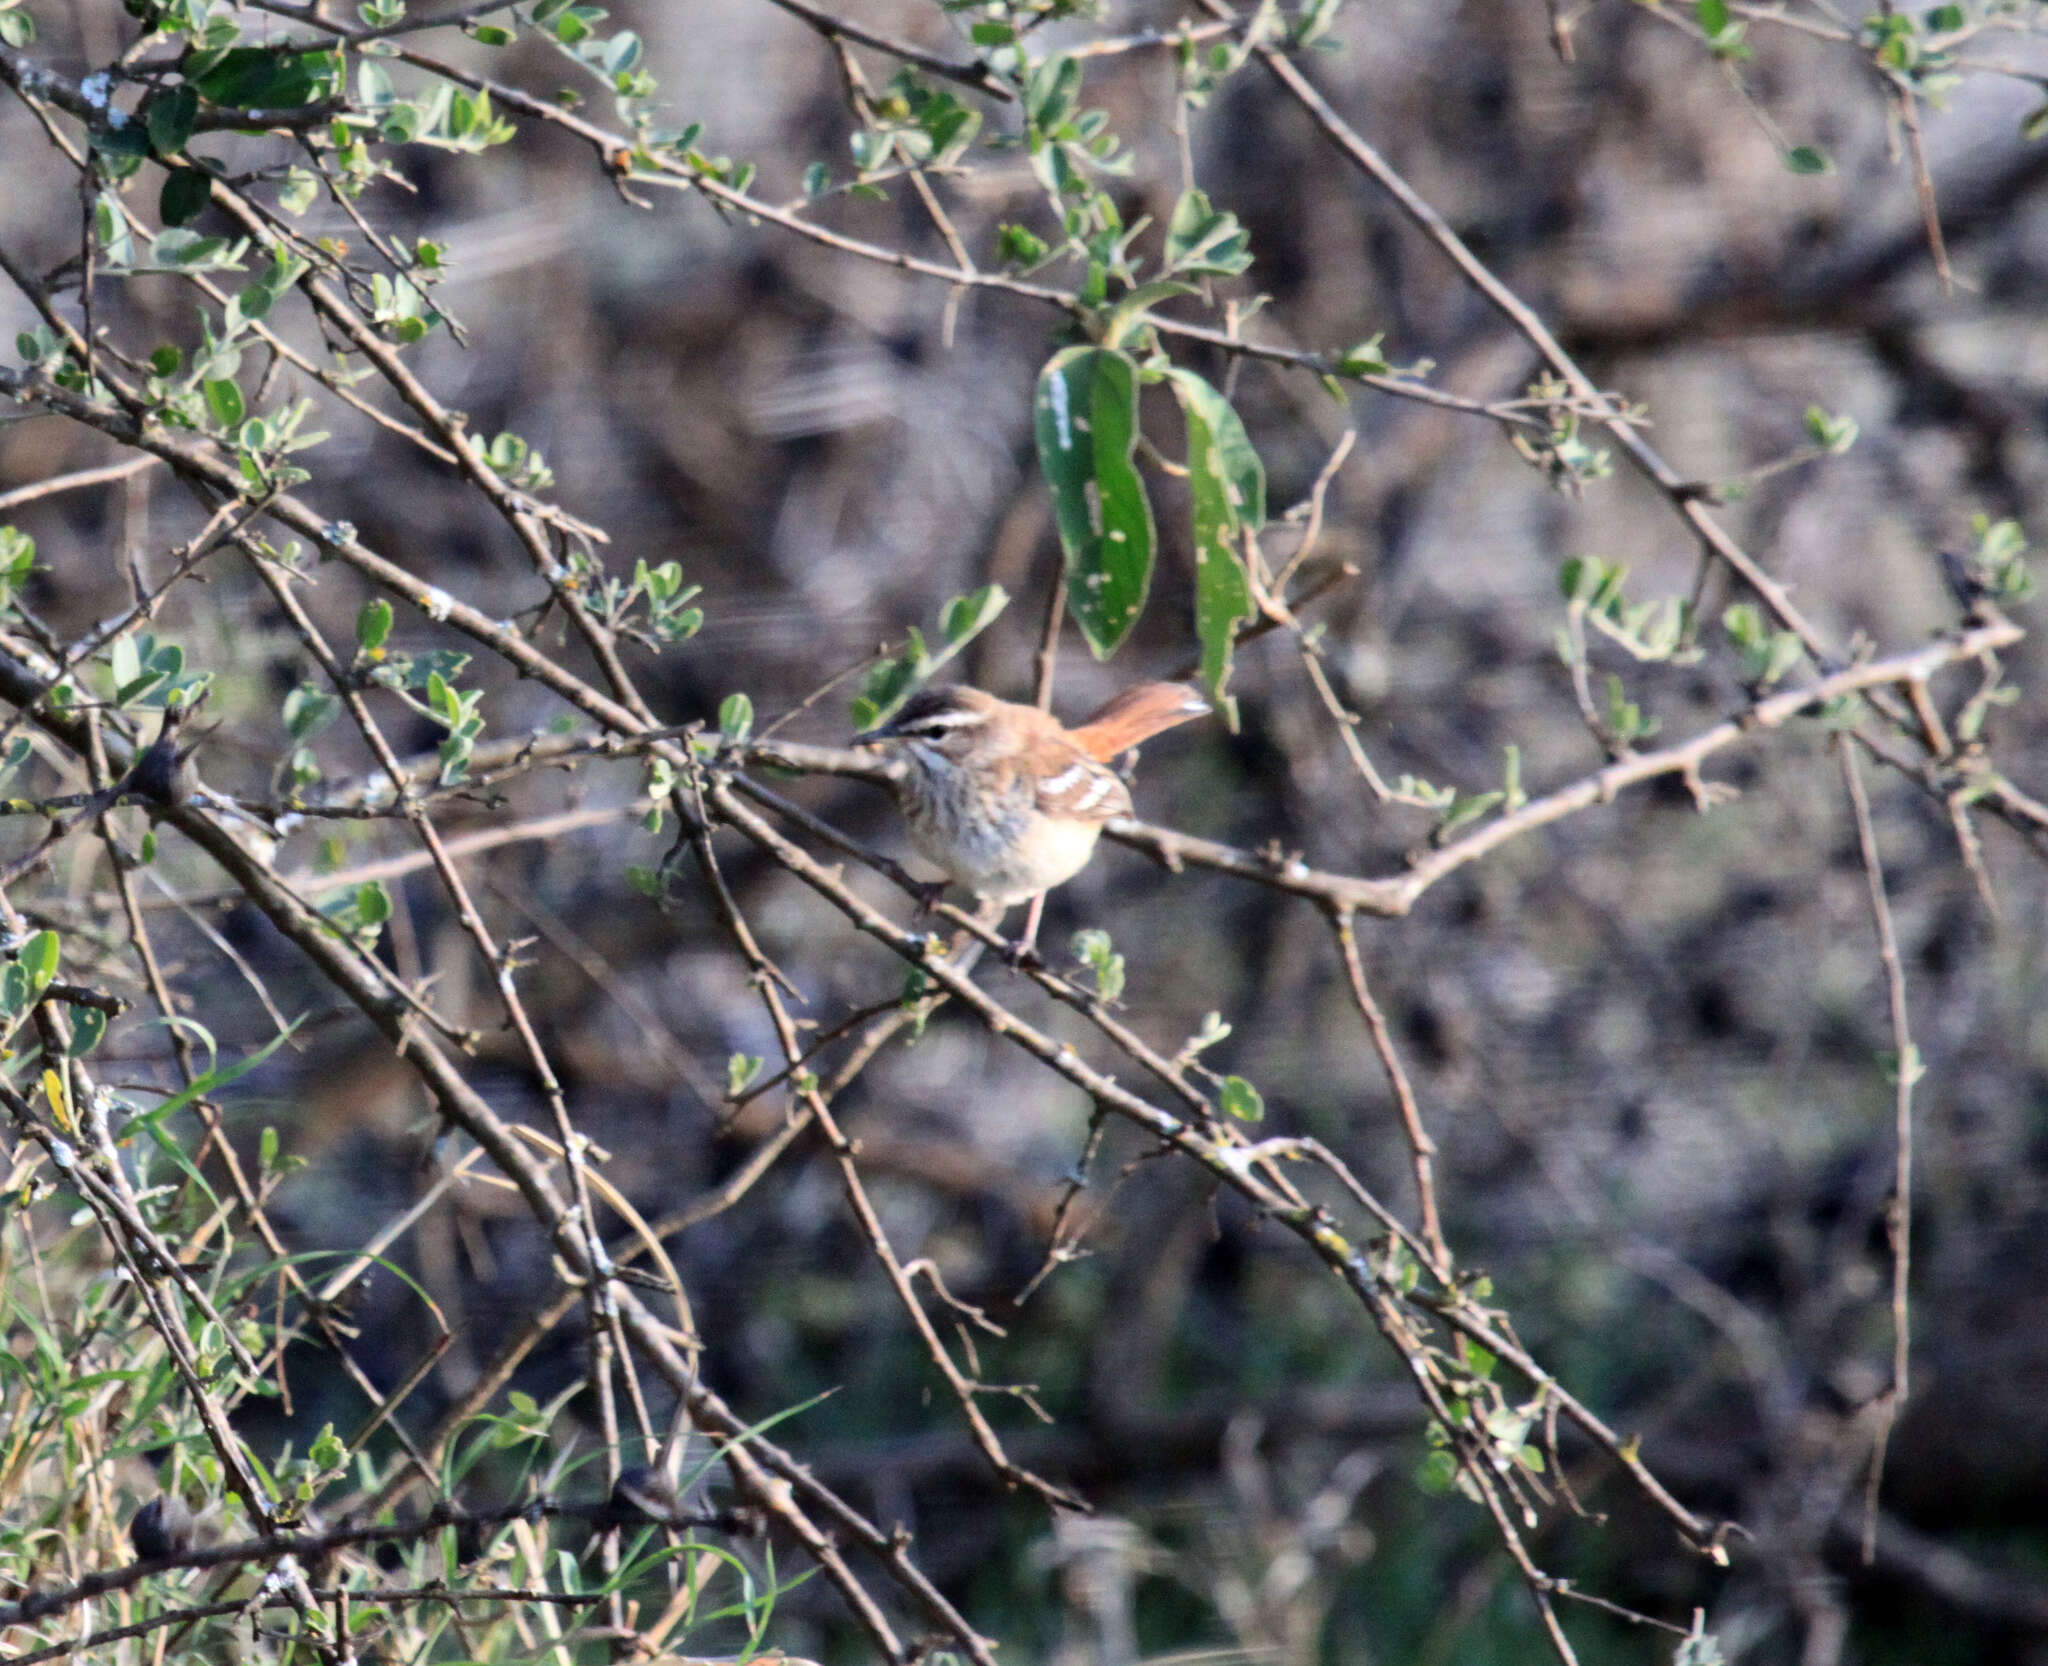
(1023, 956)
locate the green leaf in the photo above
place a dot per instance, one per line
(1205, 240)
(622, 52)
(125, 661)
(39, 956)
(1834, 434)
(736, 717)
(266, 78)
(889, 684)
(170, 118)
(740, 1070)
(1786, 651)
(300, 187)
(185, 195)
(1241, 1100)
(966, 617)
(1227, 484)
(441, 696)
(88, 1026)
(179, 250)
(1464, 811)
(1438, 1473)
(308, 710)
(1087, 430)
(1479, 1361)
(445, 663)
(373, 903)
(327, 1450)
(1805, 159)
(110, 228)
(1052, 92)
(1132, 309)
(1743, 623)
(215, 1078)
(1368, 358)
(224, 400)
(1020, 246)
(373, 624)
(1093, 948)
(1712, 15)
(1507, 1426)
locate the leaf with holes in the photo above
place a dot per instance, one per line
(1227, 483)
(1087, 422)
(88, 1025)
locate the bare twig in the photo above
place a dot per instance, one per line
(1898, 1214)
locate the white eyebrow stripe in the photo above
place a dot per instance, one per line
(962, 717)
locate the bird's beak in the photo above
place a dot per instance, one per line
(875, 736)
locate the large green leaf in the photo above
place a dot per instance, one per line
(1227, 483)
(265, 78)
(1087, 410)
(170, 116)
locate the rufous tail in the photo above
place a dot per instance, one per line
(1136, 715)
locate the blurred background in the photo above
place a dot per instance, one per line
(1648, 1041)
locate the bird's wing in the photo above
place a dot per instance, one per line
(1074, 785)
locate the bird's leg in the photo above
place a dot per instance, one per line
(1024, 952)
(927, 893)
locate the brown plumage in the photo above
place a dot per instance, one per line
(1005, 798)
